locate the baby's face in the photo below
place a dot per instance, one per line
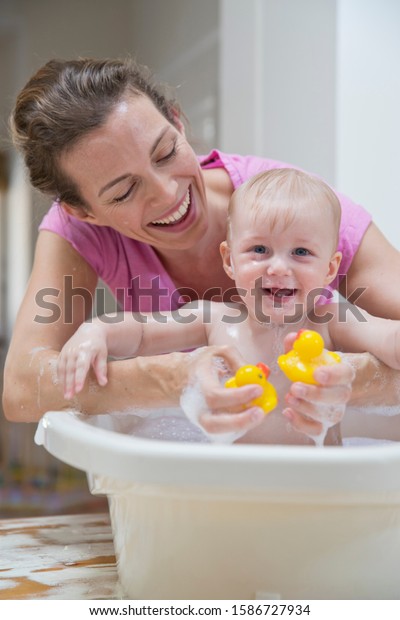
(281, 270)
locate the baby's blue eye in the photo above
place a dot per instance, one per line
(301, 252)
(260, 249)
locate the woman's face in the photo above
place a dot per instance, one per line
(140, 176)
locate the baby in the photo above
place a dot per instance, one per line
(281, 252)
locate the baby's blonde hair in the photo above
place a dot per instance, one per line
(280, 194)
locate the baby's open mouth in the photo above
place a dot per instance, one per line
(280, 293)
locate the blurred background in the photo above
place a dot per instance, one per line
(311, 82)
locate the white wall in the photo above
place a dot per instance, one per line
(317, 83)
(368, 108)
(32, 32)
(178, 40)
(277, 81)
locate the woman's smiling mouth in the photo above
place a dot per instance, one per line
(178, 215)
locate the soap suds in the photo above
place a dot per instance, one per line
(193, 404)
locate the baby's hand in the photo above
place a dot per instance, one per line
(314, 408)
(223, 414)
(87, 347)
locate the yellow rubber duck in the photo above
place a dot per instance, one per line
(258, 375)
(307, 355)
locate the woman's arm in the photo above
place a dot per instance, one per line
(49, 316)
(355, 330)
(371, 281)
(127, 334)
(374, 407)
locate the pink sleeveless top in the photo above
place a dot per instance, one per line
(133, 271)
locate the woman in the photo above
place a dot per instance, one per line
(137, 208)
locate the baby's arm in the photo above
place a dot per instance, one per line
(91, 344)
(356, 331)
(126, 335)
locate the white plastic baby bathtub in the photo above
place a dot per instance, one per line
(205, 521)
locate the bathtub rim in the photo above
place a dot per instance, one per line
(98, 451)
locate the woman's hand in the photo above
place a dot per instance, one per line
(86, 348)
(224, 415)
(314, 408)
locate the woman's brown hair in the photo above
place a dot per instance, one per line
(65, 100)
